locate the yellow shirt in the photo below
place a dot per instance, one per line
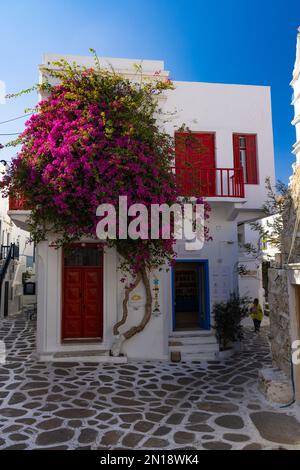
(256, 312)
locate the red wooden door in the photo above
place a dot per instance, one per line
(72, 308)
(82, 313)
(195, 163)
(92, 302)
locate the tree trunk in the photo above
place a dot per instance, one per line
(148, 308)
(125, 303)
(117, 345)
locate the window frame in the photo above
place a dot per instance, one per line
(251, 169)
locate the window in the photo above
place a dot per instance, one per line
(245, 156)
(242, 144)
(29, 261)
(29, 288)
(83, 256)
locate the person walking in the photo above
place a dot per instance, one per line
(256, 313)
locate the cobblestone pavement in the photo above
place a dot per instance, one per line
(145, 405)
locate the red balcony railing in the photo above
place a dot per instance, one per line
(17, 202)
(194, 181)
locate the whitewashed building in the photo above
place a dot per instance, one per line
(16, 257)
(250, 263)
(256, 253)
(283, 380)
(234, 124)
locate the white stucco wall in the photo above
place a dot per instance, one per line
(49, 297)
(213, 107)
(224, 110)
(251, 284)
(221, 254)
(9, 232)
(151, 343)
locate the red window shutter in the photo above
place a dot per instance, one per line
(236, 151)
(181, 168)
(251, 159)
(194, 158)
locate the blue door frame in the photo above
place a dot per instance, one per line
(204, 262)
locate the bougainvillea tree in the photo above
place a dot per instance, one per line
(93, 138)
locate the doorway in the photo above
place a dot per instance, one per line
(190, 295)
(82, 313)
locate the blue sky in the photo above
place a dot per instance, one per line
(232, 41)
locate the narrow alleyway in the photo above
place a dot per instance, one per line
(138, 405)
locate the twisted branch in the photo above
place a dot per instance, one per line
(148, 308)
(125, 303)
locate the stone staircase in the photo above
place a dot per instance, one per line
(193, 346)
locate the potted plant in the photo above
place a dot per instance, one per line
(227, 321)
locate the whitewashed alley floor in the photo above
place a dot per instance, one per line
(138, 405)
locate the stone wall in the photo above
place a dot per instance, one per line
(292, 207)
(283, 314)
(280, 333)
(279, 319)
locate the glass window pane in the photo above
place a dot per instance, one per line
(83, 256)
(242, 142)
(243, 163)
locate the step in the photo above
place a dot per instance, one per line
(94, 356)
(180, 341)
(79, 354)
(202, 357)
(195, 348)
(191, 333)
(92, 359)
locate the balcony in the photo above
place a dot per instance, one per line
(17, 203)
(194, 181)
(19, 211)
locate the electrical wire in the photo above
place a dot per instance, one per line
(10, 120)
(13, 133)
(15, 119)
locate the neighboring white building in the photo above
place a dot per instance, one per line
(254, 264)
(284, 274)
(250, 264)
(11, 286)
(295, 83)
(234, 124)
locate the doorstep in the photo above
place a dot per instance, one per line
(82, 356)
